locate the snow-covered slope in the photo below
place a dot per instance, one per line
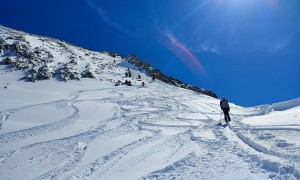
(43, 58)
(91, 129)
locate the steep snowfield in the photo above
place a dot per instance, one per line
(91, 129)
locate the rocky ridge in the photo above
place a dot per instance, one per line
(43, 58)
(133, 59)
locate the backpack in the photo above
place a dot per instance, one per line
(224, 103)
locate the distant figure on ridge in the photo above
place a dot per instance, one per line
(143, 84)
(225, 107)
(129, 73)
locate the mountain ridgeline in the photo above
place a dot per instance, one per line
(43, 58)
(132, 59)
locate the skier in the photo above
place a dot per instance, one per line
(129, 73)
(225, 107)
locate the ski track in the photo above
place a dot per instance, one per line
(193, 162)
(35, 131)
(150, 113)
(281, 165)
(112, 158)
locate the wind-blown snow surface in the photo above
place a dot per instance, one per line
(91, 129)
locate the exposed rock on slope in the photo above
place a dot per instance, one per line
(158, 75)
(43, 58)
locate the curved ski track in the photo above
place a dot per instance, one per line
(153, 119)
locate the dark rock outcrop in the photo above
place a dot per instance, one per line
(46, 58)
(132, 59)
(66, 73)
(7, 61)
(88, 73)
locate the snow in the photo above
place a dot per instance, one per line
(91, 129)
(289, 117)
(281, 106)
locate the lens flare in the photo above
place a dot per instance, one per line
(176, 47)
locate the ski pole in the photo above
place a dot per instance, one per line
(231, 114)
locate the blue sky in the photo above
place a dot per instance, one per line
(246, 50)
